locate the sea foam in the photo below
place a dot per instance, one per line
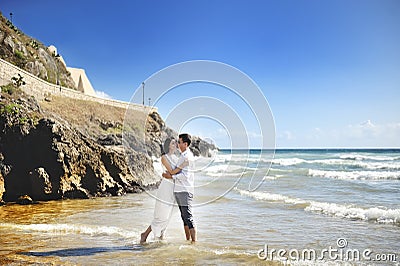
(356, 175)
(361, 157)
(348, 211)
(64, 229)
(369, 165)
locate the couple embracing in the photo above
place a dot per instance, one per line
(177, 186)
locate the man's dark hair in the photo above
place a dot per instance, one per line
(186, 138)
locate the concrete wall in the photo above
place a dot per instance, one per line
(40, 88)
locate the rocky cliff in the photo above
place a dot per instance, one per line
(46, 157)
(31, 55)
(68, 148)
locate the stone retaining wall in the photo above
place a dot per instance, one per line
(41, 89)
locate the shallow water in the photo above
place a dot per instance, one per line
(309, 200)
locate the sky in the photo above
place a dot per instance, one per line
(329, 70)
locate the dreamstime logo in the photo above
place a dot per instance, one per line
(339, 253)
(234, 103)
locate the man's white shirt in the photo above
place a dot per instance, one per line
(184, 180)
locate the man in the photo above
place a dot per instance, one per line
(184, 186)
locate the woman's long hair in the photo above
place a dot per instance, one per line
(165, 147)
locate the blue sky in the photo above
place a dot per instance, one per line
(329, 69)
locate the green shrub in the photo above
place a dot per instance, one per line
(34, 44)
(19, 54)
(23, 120)
(9, 88)
(11, 109)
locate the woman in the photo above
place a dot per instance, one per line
(165, 195)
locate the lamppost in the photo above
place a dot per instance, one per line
(11, 14)
(58, 83)
(143, 93)
(149, 101)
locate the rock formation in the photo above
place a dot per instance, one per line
(47, 158)
(49, 152)
(31, 55)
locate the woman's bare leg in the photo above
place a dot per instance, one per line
(144, 235)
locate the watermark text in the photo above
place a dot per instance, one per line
(340, 252)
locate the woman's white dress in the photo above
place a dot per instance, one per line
(164, 202)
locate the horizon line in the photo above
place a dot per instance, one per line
(316, 148)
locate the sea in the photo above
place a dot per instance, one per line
(305, 207)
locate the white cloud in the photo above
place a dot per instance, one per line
(374, 134)
(367, 123)
(365, 134)
(102, 94)
(286, 135)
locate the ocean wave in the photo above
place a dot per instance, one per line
(359, 164)
(356, 175)
(224, 169)
(63, 229)
(296, 161)
(277, 170)
(288, 161)
(362, 157)
(222, 158)
(375, 214)
(270, 197)
(378, 165)
(216, 251)
(272, 177)
(247, 158)
(381, 165)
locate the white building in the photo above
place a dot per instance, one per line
(82, 82)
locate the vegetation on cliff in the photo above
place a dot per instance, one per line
(31, 55)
